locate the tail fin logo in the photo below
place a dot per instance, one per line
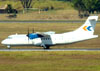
(87, 28)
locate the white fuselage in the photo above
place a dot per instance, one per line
(53, 39)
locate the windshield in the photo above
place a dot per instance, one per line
(9, 38)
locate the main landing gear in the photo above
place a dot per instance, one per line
(46, 46)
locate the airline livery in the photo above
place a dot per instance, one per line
(47, 39)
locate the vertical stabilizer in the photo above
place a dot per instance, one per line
(89, 26)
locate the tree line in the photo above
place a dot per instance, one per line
(86, 7)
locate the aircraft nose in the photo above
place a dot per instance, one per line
(3, 42)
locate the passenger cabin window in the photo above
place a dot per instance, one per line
(45, 38)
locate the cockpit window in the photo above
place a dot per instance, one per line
(9, 38)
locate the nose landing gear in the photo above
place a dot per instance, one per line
(8, 46)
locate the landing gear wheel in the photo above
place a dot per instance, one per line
(8, 47)
(47, 47)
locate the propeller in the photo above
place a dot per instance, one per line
(33, 30)
(28, 34)
(33, 35)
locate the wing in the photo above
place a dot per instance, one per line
(45, 34)
(39, 35)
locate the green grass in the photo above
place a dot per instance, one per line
(15, 4)
(44, 15)
(51, 61)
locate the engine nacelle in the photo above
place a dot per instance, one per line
(33, 36)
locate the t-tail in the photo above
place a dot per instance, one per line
(89, 26)
(86, 31)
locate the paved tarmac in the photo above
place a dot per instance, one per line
(49, 49)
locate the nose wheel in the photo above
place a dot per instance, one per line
(8, 46)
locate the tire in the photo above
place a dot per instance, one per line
(47, 47)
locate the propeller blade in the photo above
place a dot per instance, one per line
(33, 30)
(28, 34)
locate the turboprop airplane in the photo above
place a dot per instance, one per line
(47, 39)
